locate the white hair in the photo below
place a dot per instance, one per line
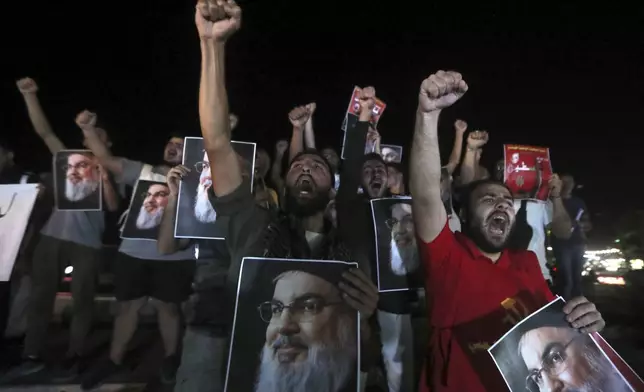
(80, 190)
(204, 212)
(404, 259)
(149, 220)
(327, 368)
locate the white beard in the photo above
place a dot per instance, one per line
(79, 191)
(203, 208)
(404, 260)
(326, 368)
(147, 220)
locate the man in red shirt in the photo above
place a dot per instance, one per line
(477, 290)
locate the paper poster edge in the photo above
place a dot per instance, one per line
(613, 364)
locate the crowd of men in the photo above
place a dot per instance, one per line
(485, 258)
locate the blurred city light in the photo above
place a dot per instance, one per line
(614, 280)
(69, 270)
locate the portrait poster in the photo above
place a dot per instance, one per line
(16, 203)
(391, 153)
(149, 200)
(291, 330)
(397, 258)
(527, 170)
(196, 217)
(77, 181)
(544, 353)
(351, 117)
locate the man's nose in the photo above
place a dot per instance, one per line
(551, 384)
(501, 206)
(288, 325)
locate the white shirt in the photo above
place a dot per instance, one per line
(539, 216)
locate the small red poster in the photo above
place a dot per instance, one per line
(527, 171)
(351, 117)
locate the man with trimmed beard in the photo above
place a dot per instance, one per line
(404, 253)
(560, 358)
(312, 347)
(302, 231)
(83, 177)
(390, 155)
(154, 203)
(478, 289)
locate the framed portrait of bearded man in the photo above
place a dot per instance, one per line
(292, 330)
(78, 184)
(196, 217)
(148, 204)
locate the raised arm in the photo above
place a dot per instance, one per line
(561, 223)
(470, 165)
(298, 117)
(29, 90)
(460, 127)
(216, 21)
(437, 92)
(276, 170)
(309, 132)
(86, 121)
(166, 243)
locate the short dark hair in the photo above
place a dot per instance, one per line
(468, 190)
(372, 156)
(312, 151)
(394, 165)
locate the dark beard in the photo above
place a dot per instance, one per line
(475, 233)
(308, 207)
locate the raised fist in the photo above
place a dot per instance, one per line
(281, 147)
(86, 120)
(299, 116)
(554, 184)
(460, 126)
(367, 100)
(441, 90)
(234, 120)
(27, 86)
(217, 19)
(477, 139)
(311, 107)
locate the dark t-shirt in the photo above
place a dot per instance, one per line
(575, 208)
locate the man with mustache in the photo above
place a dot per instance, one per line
(256, 231)
(477, 288)
(154, 203)
(82, 177)
(403, 250)
(312, 346)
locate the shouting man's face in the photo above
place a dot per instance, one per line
(492, 217)
(156, 198)
(374, 178)
(561, 359)
(308, 183)
(403, 250)
(204, 212)
(82, 177)
(310, 339)
(173, 151)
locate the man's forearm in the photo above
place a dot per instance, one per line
(41, 124)
(455, 156)
(425, 168)
(103, 153)
(214, 119)
(110, 196)
(166, 243)
(296, 145)
(561, 222)
(309, 134)
(469, 166)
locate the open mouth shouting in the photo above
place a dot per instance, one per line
(376, 185)
(305, 186)
(498, 224)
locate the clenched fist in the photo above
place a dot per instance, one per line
(460, 126)
(299, 116)
(477, 139)
(86, 120)
(440, 90)
(554, 184)
(174, 177)
(311, 107)
(367, 100)
(281, 147)
(27, 86)
(234, 120)
(217, 19)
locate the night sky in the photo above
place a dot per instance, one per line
(570, 77)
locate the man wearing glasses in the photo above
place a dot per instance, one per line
(403, 250)
(311, 337)
(560, 358)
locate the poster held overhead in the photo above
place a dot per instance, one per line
(292, 331)
(544, 350)
(78, 184)
(391, 153)
(16, 203)
(527, 170)
(351, 116)
(196, 218)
